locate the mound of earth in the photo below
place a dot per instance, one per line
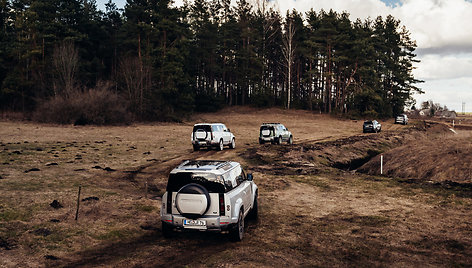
(346, 153)
(446, 158)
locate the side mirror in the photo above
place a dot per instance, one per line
(249, 177)
(228, 130)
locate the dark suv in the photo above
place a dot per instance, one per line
(275, 133)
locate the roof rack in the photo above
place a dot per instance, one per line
(270, 123)
(222, 164)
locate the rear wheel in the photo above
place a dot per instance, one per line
(261, 141)
(290, 140)
(237, 233)
(196, 147)
(279, 141)
(166, 230)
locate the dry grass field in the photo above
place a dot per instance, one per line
(315, 210)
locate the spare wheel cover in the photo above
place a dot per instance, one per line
(199, 132)
(192, 200)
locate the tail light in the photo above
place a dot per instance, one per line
(222, 204)
(169, 202)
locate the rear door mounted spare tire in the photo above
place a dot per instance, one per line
(192, 200)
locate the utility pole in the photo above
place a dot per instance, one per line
(463, 108)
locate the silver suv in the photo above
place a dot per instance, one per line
(212, 135)
(209, 195)
(401, 119)
(275, 133)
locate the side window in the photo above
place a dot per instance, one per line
(229, 182)
(214, 128)
(224, 128)
(243, 174)
(238, 175)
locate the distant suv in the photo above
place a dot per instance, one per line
(275, 133)
(401, 119)
(209, 195)
(371, 126)
(212, 135)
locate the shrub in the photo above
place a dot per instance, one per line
(98, 106)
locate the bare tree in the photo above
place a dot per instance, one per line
(136, 76)
(288, 52)
(65, 60)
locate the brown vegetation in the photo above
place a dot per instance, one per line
(98, 106)
(441, 158)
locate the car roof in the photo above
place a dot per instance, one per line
(217, 167)
(211, 124)
(269, 124)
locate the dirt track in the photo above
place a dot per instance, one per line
(319, 216)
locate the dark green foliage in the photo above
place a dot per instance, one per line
(168, 62)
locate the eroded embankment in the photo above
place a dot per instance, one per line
(437, 159)
(352, 153)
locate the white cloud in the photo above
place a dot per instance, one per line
(437, 67)
(437, 23)
(449, 92)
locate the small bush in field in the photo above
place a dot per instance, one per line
(98, 106)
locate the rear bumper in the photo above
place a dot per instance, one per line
(267, 139)
(204, 143)
(213, 224)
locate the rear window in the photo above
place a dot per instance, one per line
(206, 128)
(267, 130)
(213, 183)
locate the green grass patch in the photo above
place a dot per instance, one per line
(17, 214)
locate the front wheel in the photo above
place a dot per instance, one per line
(232, 145)
(254, 211)
(279, 141)
(220, 146)
(290, 140)
(237, 233)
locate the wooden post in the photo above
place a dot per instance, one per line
(381, 164)
(146, 189)
(78, 204)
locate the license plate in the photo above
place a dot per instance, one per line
(194, 223)
(202, 142)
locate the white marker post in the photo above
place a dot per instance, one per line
(381, 164)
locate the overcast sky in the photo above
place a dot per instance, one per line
(441, 29)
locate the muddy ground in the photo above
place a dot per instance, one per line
(316, 208)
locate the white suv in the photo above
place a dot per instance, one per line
(209, 195)
(212, 135)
